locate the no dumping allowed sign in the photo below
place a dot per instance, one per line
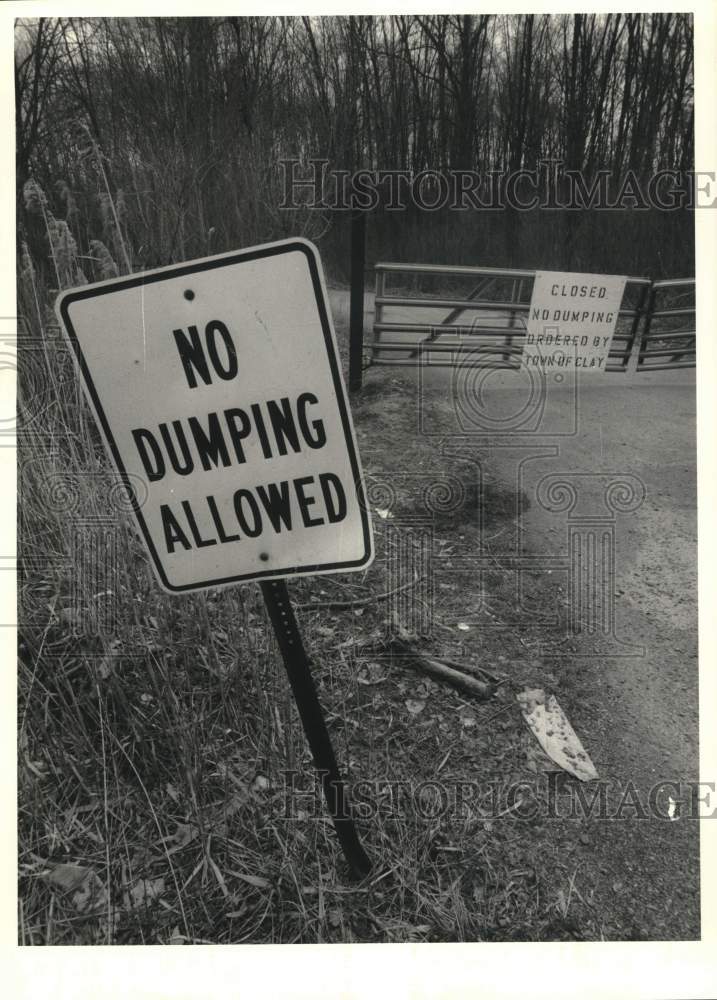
(571, 321)
(217, 385)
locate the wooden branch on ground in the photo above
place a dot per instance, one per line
(473, 668)
(360, 601)
(447, 670)
(439, 671)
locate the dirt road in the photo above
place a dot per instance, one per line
(635, 700)
(625, 446)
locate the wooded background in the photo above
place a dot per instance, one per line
(159, 139)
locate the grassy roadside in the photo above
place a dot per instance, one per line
(166, 791)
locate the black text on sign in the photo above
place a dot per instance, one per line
(217, 385)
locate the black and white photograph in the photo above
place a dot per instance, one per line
(356, 442)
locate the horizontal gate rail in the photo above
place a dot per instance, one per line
(670, 327)
(493, 339)
(458, 269)
(453, 345)
(493, 331)
(462, 304)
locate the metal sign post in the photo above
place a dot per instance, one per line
(358, 266)
(288, 636)
(217, 387)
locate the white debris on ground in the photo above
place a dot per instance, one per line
(551, 728)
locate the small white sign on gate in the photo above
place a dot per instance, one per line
(218, 390)
(572, 320)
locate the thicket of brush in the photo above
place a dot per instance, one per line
(130, 704)
(185, 121)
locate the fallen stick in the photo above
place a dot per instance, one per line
(439, 671)
(359, 601)
(405, 641)
(473, 668)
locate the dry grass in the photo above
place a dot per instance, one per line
(152, 759)
(156, 732)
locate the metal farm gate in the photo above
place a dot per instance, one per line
(476, 316)
(669, 334)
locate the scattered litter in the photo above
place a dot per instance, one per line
(89, 896)
(414, 706)
(551, 728)
(463, 627)
(183, 835)
(89, 893)
(146, 891)
(109, 660)
(371, 673)
(466, 716)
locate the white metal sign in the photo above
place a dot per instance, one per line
(572, 320)
(218, 390)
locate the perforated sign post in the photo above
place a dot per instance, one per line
(217, 387)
